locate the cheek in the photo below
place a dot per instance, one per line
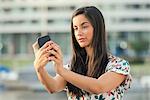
(75, 35)
(90, 35)
(90, 38)
(85, 31)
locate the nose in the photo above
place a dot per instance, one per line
(79, 32)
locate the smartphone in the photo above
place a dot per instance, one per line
(42, 40)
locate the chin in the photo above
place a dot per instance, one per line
(82, 45)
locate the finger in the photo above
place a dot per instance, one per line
(43, 60)
(46, 56)
(35, 47)
(54, 53)
(45, 50)
(46, 45)
(52, 58)
(56, 48)
(43, 53)
(49, 48)
(38, 62)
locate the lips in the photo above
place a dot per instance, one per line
(81, 39)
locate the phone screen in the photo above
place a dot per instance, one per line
(42, 40)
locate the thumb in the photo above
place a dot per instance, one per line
(35, 47)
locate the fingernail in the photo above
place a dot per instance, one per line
(47, 50)
(49, 58)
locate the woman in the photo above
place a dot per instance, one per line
(93, 73)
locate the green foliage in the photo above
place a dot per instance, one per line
(140, 46)
(15, 63)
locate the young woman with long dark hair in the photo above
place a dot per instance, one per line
(93, 73)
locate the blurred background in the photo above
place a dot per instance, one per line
(22, 21)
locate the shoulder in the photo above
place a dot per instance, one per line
(117, 64)
(121, 66)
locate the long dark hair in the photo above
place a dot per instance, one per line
(82, 64)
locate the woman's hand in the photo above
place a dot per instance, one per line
(56, 56)
(41, 55)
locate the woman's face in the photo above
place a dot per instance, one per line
(83, 30)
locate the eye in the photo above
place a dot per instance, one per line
(84, 27)
(75, 28)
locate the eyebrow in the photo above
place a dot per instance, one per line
(84, 23)
(81, 24)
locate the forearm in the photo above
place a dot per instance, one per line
(48, 81)
(83, 82)
(105, 83)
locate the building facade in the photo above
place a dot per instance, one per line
(22, 21)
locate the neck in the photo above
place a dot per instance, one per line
(89, 51)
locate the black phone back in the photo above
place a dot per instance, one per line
(42, 40)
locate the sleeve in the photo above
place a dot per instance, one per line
(67, 66)
(122, 67)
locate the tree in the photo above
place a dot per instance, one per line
(140, 46)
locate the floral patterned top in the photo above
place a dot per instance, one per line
(116, 65)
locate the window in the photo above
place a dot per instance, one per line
(34, 21)
(35, 8)
(64, 40)
(135, 6)
(50, 8)
(148, 6)
(7, 10)
(49, 21)
(72, 7)
(22, 9)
